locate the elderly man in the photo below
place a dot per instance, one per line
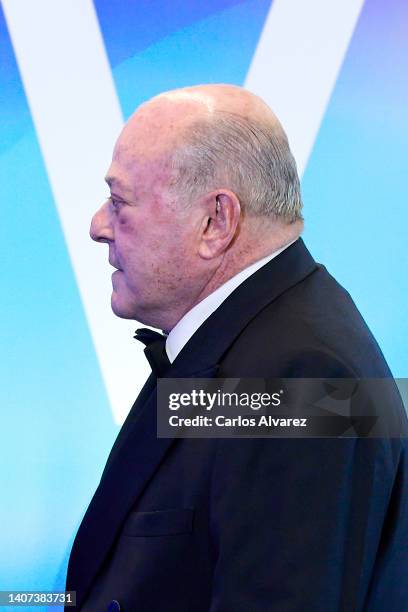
(203, 225)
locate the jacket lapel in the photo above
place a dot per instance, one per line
(136, 460)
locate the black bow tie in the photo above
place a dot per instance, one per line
(155, 350)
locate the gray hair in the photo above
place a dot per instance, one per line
(251, 158)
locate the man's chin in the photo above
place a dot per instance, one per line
(123, 311)
(128, 311)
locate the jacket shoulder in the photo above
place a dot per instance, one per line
(313, 329)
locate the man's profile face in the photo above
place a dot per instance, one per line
(151, 237)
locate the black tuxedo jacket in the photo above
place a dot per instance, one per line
(253, 525)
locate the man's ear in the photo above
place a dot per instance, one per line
(220, 224)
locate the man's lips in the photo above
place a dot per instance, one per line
(115, 266)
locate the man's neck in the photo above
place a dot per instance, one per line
(191, 321)
(255, 240)
(246, 252)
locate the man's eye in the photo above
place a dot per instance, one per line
(115, 203)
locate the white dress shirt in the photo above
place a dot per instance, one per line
(188, 325)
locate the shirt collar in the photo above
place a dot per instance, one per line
(194, 318)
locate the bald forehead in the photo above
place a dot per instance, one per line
(158, 126)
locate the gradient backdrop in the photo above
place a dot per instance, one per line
(337, 76)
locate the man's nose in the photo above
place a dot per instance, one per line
(101, 230)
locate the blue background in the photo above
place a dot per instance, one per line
(57, 422)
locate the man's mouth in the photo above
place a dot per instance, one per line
(115, 266)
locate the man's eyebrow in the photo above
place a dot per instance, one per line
(111, 181)
(124, 193)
